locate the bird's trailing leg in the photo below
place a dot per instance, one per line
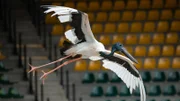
(65, 63)
(33, 68)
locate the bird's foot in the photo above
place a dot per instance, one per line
(33, 68)
(43, 77)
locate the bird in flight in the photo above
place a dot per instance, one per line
(83, 45)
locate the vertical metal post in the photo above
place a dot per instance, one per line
(10, 36)
(25, 64)
(30, 78)
(15, 38)
(42, 92)
(36, 86)
(55, 57)
(44, 35)
(50, 46)
(61, 77)
(38, 17)
(67, 84)
(20, 50)
(73, 92)
(4, 4)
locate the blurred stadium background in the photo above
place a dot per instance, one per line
(149, 29)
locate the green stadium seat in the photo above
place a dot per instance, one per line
(169, 90)
(111, 91)
(13, 93)
(146, 76)
(3, 93)
(124, 91)
(102, 77)
(158, 76)
(173, 76)
(4, 80)
(97, 91)
(3, 68)
(115, 78)
(88, 78)
(154, 90)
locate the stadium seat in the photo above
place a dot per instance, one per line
(119, 5)
(124, 91)
(140, 51)
(145, 4)
(2, 67)
(158, 38)
(172, 38)
(140, 16)
(127, 16)
(154, 90)
(140, 63)
(149, 63)
(106, 6)
(109, 28)
(111, 91)
(144, 39)
(123, 28)
(129, 49)
(94, 65)
(115, 78)
(158, 76)
(149, 27)
(14, 93)
(173, 76)
(57, 30)
(132, 5)
(97, 91)
(102, 77)
(175, 26)
(176, 63)
(117, 38)
(56, 3)
(153, 15)
(61, 41)
(163, 63)
(178, 50)
(166, 15)
(93, 6)
(157, 4)
(91, 16)
(51, 20)
(177, 14)
(97, 28)
(136, 27)
(4, 80)
(162, 26)
(131, 39)
(88, 78)
(170, 4)
(80, 65)
(154, 50)
(3, 93)
(168, 50)
(105, 39)
(68, 26)
(69, 4)
(101, 17)
(169, 90)
(82, 6)
(146, 76)
(114, 16)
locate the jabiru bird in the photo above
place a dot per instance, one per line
(83, 45)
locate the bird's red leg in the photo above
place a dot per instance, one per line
(33, 68)
(65, 63)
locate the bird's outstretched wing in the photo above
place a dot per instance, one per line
(124, 69)
(78, 20)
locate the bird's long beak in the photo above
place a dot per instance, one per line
(126, 53)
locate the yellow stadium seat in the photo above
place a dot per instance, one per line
(119, 5)
(172, 38)
(145, 4)
(114, 16)
(91, 16)
(97, 28)
(82, 6)
(61, 41)
(131, 4)
(153, 15)
(176, 63)
(117, 38)
(157, 4)
(175, 26)
(127, 16)
(177, 14)
(105, 39)
(101, 17)
(123, 27)
(163, 63)
(136, 27)
(140, 51)
(140, 63)
(158, 38)
(162, 26)
(68, 27)
(51, 20)
(154, 50)
(2, 56)
(93, 6)
(106, 6)
(178, 50)
(166, 15)
(149, 27)
(140, 15)
(168, 50)
(129, 49)
(170, 4)
(94, 65)
(149, 63)
(80, 65)
(131, 39)
(57, 30)
(144, 39)
(109, 28)
(69, 4)
(56, 3)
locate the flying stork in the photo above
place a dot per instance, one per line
(83, 45)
